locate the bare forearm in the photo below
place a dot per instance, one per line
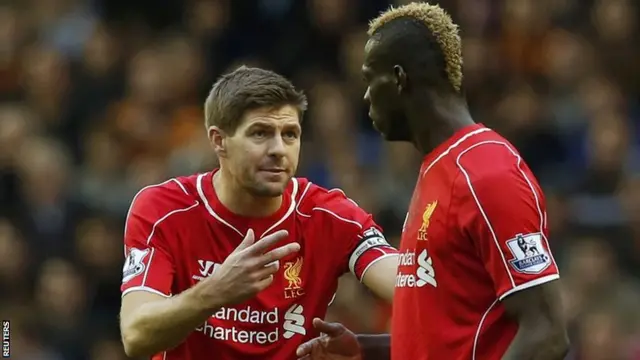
(532, 344)
(161, 325)
(375, 347)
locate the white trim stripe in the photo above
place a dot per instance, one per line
(215, 215)
(454, 145)
(541, 214)
(140, 192)
(333, 298)
(146, 270)
(155, 225)
(530, 284)
(336, 216)
(205, 201)
(527, 285)
(484, 215)
(292, 208)
(153, 230)
(326, 210)
(144, 288)
(476, 338)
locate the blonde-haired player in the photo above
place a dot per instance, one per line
(476, 278)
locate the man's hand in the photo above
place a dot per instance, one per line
(247, 271)
(336, 343)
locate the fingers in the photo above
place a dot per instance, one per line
(331, 329)
(267, 242)
(263, 283)
(279, 253)
(247, 241)
(305, 348)
(267, 270)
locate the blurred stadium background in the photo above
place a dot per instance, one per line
(103, 97)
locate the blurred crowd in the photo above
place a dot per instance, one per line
(100, 98)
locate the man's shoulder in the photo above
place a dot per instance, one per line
(158, 200)
(318, 203)
(312, 195)
(489, 157)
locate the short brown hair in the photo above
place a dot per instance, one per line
(441, 27)
(248, 88)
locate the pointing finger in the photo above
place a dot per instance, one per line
(279, 253)
(267, 242)
(305, 348)
(248, 240)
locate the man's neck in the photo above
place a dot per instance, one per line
(450, 115)
(239, 201)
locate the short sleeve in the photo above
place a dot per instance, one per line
(360, 240)
(504, 216)
(148, 265)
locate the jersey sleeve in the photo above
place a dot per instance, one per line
(148, 265)
(504, 216)
(360, 241)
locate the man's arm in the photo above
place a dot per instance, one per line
(151, 323)
(381, 277)
(541, 333)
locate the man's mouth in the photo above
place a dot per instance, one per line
(274, 170)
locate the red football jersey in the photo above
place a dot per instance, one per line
(475, 232)
(178, 233)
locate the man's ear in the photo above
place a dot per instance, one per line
(401, 78)
(218, 140)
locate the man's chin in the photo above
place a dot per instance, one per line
(268, 191)
(269, 188)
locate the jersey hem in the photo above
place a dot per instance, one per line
(530, 284)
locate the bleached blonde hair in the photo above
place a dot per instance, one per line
(443, 29)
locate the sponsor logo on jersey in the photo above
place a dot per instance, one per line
(294, 322)
(249, 325)
(291, 274)
(134, 264)
(529, 254)
(415, 272)
(426, 220)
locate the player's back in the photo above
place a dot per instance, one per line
(459, 255)
(187, 233)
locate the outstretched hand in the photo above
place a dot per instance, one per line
(335, 343)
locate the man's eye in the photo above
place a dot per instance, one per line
(259, 133)
(291, 135)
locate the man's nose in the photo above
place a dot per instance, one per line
(367, 96)
(277, 146)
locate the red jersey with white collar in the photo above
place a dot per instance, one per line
(178, 233)
(475, 233)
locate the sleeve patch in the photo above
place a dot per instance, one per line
(134, 264)
(529, 253)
